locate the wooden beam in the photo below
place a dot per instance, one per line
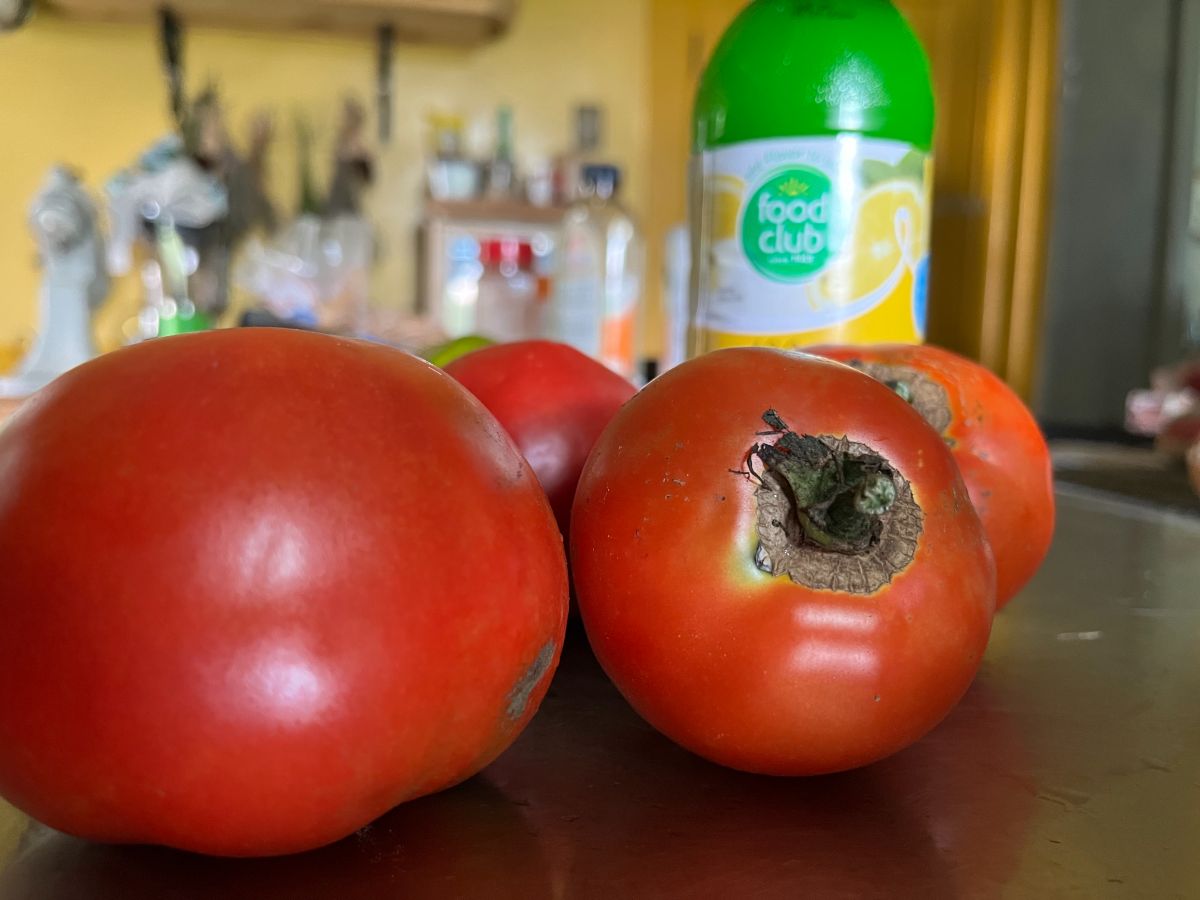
(455, 22)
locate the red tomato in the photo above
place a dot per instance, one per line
(786, 602)
(455, 844)
(553, 400)
(995, 440)
(258, 587)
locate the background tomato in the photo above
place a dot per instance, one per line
(553, 400)
(259, 587)
(857, 654)
(995, 440)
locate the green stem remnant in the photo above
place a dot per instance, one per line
(832, 514)
(837, 497)
(915, 388)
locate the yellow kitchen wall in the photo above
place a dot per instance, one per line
(92, 95)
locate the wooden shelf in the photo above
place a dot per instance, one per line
(454, 22)
(492, 211)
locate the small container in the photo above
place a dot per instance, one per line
(449, 175)
(507, 304)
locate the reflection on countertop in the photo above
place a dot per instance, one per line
(1070, 769)
(1134, 472)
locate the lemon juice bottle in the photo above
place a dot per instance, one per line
(811, 178)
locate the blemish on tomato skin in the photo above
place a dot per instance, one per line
(522, 690)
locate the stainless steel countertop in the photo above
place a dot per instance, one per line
(1071, 769)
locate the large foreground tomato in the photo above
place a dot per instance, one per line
(468, 842)
(995, 440)
(257, 587)
(777, 563)
(553, 400)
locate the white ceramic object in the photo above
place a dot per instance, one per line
(74, 282)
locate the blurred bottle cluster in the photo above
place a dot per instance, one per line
(550, 251)
(505, 252)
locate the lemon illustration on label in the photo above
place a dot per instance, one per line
(887, 235)
(727, 191)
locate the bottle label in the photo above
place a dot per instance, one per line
(808, 240)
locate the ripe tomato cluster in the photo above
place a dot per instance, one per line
(260, 586)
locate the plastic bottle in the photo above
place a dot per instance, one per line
(811, 178)
(676, 267)
(599, 284)
(507, 308)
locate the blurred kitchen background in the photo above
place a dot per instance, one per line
(414, 170)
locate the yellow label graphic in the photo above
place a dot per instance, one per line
(813, 239)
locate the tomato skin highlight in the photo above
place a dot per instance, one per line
(999, 449)
(750, 670)
(260, 586)
(553, 400)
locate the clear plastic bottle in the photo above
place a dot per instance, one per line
(507, 307)
(598, 289)
(811, 178)
(677, 262)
